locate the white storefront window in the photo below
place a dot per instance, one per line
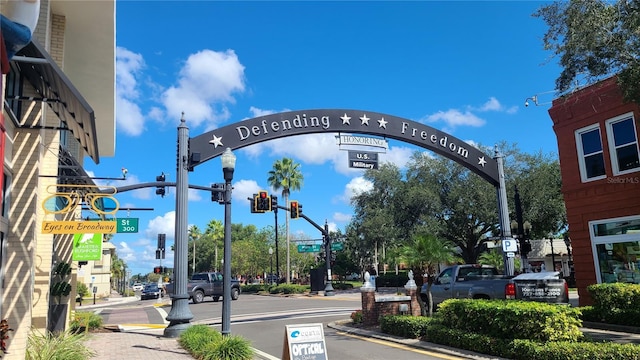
(616, 249)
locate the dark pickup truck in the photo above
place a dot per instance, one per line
(472, 281)
(207, 284)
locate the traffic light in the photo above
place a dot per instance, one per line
(274, 202)
(157, 270)
(263, 202)
(254, 204)
(294, 208)
(217, 193)
(160, 190)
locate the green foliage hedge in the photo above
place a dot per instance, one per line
(616, 303)
(507, 319)
(289, 289)
(205, 343)
(508, 329)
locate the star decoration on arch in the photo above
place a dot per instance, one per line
(382, 123)
(217, 141)
(482, 161)
(364, 119)
(345, 119)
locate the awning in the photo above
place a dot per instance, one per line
(37, 66)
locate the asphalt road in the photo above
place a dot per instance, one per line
(263, 320)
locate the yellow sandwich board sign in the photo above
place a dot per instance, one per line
(304, 342)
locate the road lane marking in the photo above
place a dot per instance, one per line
(403, 347)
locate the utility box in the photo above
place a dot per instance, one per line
(317, 280)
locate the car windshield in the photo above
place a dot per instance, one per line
(151, 287)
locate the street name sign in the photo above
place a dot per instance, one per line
(309, 248)
(336, 246)
(127, 225)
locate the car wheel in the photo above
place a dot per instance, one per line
(235, 294)
(216, 298)
(198, 297)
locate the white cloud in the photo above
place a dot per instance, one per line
(342, 217)
(454, 118)
(195, 195)
(243, 189)
(397, 155)
(355, 187)
(162, 225)
(491, 105)
(207, 81)
(129, 118)
(333, 227)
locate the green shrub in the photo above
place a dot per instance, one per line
(508, 319)
(255, 288)
(85, 321)
(289, 289)
(61, 345)
(434, 330)
(412, 327)
(616, 303)
(196, 339)
(342, 285)
(82, 289)
(357, 317)
(230, 347)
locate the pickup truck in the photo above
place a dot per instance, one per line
(473, 281)
(207, 284)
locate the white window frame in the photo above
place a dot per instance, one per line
(612, 145)
(581, 155)
(608, 239)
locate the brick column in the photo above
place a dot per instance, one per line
(411, 289)
(368, 296)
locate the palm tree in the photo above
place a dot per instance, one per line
(424, 253)
(286, 175)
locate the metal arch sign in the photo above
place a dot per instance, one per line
(269, 127)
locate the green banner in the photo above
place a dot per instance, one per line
(87, 247)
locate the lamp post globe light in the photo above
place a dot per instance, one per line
(228, 166)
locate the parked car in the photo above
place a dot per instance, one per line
(353, 276)
(151, 291)
(207, 284)
(473, 281)
(137, 287)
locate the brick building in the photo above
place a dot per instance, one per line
(597, 135)
(58, 97)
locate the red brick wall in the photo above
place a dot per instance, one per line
(373, 308)
(599, 199)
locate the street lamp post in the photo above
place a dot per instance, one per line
(228, 166)
(553, 256)
(180, 315)
(271, 266)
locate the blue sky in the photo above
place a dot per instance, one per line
(465, 68)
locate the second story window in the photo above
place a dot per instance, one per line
(623, 144)
(590, 155)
